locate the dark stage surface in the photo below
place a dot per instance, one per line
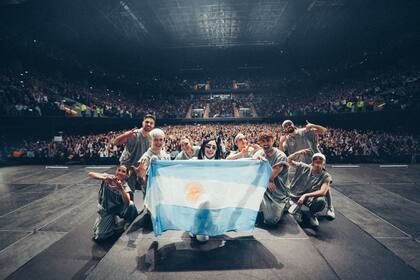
(46, 218)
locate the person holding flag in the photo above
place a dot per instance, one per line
(155, 152)
(276, 196)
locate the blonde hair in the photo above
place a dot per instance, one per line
(156, 132)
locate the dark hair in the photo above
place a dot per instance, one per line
(218, 155)
(235, 148)
(265, 135)
(126, 168)
(149, 116)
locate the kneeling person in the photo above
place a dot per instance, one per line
(276, 196)
(115, 199)
(310, 184)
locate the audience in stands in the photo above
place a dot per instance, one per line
(339, 145)
(27, 94)
(221, 108)
(385, 93)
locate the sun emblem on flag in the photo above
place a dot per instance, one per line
(193, 191)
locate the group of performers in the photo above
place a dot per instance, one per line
(299, 182)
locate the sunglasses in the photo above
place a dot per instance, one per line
(211, 147)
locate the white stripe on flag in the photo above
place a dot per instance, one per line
(208, 194)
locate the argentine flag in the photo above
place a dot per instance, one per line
(206, 197)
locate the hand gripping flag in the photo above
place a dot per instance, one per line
(206, 197)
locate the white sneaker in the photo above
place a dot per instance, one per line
(294, 207)
(202, 237)
(330, 213)
(313, 221)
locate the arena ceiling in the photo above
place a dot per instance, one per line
(309, 27)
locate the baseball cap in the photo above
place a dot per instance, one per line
(286, 122)
(319, 155)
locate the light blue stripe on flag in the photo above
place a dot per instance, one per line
(212, 222)
(238, 171)
(206, 197)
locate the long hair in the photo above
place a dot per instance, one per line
(218, 155)
(128, 170)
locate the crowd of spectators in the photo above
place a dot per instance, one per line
(25, 97)
(77, 148)
(30, 94)
(231, 81)
(221, 108)
(339, 145)
(198, 107)
(27, 94)
(382, 92)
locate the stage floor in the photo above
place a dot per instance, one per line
(46, 218)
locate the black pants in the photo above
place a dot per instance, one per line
(316, 204)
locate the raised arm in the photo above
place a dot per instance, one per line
(98, 176)
(283, 139)
(111, 179)
(244, 152)
(318, 129)
(141, 169)
(235, 156)
(123, 138)
(124, 195)
(291, 159)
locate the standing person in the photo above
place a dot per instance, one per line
(297, 139)
(301, 138)
(244, 150)
(276, 196)
(136, 141)
(155, 152)
(115, 199)
(188, 150)
(310, 184)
